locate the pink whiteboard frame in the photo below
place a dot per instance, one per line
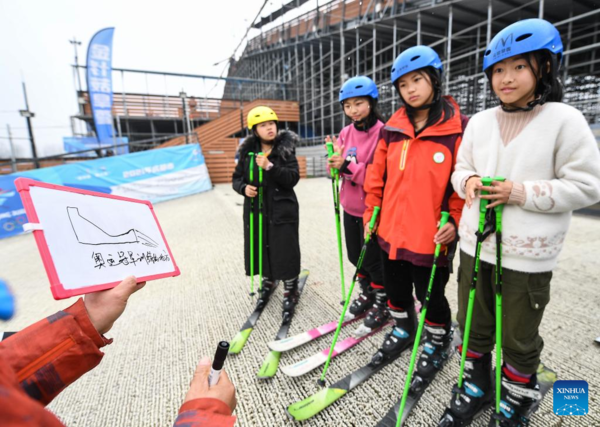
(58, 290)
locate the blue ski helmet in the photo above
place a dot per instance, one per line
(521, 37)
(358, 86)
(413, 59)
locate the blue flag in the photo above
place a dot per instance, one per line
(99, 83)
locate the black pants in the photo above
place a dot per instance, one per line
(399, 277)
(355, 232)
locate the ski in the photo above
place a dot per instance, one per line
(417, 389)
(290, 343)
(304, 366)
(271, 363)
(238, 342)
(314, 404)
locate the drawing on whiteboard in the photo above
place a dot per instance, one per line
(88, 233)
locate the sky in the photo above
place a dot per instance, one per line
(176, 36)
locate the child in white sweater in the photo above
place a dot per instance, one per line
(549, 157)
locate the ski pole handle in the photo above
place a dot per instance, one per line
(376, 210)
(260, 170)
(487, 182)
(443, 221)
(251, 155)
(329, 146)
(499, 208)
(331, 152)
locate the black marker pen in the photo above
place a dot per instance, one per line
(219, 360)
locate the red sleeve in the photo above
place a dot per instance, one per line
(455, 202)
(51, 354)
(16, 408)
(375, 180)
(205, 412)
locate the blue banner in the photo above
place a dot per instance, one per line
(154, 175)
(99, 83)
(81, 143)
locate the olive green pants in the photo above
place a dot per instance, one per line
(524, 298)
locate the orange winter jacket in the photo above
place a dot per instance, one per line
(409, 178)
(39, 362)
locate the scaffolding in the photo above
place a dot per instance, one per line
(314, 53)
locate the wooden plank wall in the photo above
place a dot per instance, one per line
(139, 105)
(221, 162)
(219, 147)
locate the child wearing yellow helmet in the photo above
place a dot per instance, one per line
(281, 244)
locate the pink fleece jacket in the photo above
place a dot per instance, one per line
(360, 146)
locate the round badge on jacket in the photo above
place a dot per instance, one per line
(439, 157)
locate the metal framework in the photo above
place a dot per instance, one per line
(150, 105)
(316, 52)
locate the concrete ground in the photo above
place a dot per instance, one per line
(169, 325)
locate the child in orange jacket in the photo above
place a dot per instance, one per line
(410, 180)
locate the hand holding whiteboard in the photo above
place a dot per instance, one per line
(90, 241)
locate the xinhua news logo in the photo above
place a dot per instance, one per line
(571, 398)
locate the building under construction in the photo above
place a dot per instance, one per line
(298, 62)
(314, 53)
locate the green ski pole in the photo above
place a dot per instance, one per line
(413, 357)
(251, 243)
(498, 284)
(482, 234)
(321, 381)
(260, 225)
(335, 175)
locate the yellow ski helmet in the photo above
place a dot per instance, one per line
(260, 115)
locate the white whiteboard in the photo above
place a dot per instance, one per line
(95, 240)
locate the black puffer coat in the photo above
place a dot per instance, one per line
(281, 253)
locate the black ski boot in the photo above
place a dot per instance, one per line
(290, 297)
(400, 337)
(377, 316)
(475, 394)
(265, 292)
(518, 401)
(364, 301)
(436, 351)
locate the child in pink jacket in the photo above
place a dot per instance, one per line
(354, 151)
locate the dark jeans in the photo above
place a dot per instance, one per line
(354, 231)
(524, 298)
(399, 278)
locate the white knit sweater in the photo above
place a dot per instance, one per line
(557, 160)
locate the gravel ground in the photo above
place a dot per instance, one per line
(171, 323)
